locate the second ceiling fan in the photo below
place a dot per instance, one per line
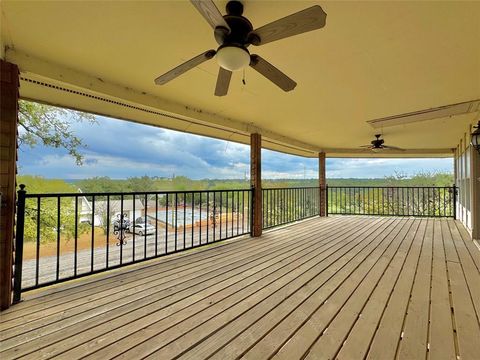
(377, 145)
(234, 33)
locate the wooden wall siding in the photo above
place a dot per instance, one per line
(322, 182)
(256, 182)
(8, 169)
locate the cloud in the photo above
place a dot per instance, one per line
(121, 149)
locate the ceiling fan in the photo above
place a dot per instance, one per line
(234, 33)
(377, 145)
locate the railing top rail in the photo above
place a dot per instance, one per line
(390, 187)
(292, 188)
(132, 193)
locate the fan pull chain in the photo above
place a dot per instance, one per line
(243, 79)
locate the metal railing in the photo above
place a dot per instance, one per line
(392, 201)
(285, 205)
(64, 236)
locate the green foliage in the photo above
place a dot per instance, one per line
(50, 126)
(286, 207)
(49, 227)
(40, 185)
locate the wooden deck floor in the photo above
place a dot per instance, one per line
(338, 287)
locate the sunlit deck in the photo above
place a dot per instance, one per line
(337, 287)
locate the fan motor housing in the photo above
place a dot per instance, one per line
(240, 26)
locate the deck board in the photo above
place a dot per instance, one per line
(337, 287)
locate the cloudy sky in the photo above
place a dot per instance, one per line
(120, 149)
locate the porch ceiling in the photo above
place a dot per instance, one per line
(371, 60)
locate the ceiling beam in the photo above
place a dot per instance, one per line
(427, 114)
(36, 68)
(47, 69)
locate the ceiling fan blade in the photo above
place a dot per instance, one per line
(393, 148)
(272, 73)
(303, 21)
(180, 69)
(210, 12)
(366, 146)
(223, 81)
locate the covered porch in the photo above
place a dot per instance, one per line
(339, 287)
(350, 287)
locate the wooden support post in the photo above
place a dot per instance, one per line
(322, 184)
(256, 182)
(8, 169)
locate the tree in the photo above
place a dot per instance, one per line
(50, 126)
(49, 225)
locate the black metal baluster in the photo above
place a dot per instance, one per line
(249, 210)
(57, 274)
(348, 201)
(408, 202)
(270, 206)
(302, 197)
(184, 220)
(176, 220)
(243, 211)
(221, 214)
(146, 228)
(75, 235)
(270, 210)
(107, 253)
(37, 254)
(428, 203)
(156, 224)
(274, 207)
(133, 225)
(444, 201)
(297, 204)
(364, 209)
(439, 203)
(193, 217)
(226, 215)
(233, 210)
(200, 216)
(166, 223)
(215, 216)
(238, 210)
(208, 214)
(383, 200)
(120, 230)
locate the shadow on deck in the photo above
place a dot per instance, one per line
(337, 287)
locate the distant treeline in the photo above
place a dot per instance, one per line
(37, 184)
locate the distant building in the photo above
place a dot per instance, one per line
(132, 209)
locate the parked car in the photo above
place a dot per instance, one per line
(142, 229)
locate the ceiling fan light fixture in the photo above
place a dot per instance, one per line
(233, 58)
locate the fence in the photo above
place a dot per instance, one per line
(286, 205)
(392, 201)
(65, 236)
